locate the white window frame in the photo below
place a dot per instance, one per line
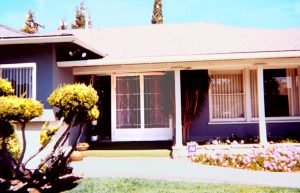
(216, 120)
(25, 65)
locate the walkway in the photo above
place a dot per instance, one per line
(179, 170)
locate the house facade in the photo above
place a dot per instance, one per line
(138, 73)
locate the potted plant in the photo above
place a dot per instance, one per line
(76, 156)
(82, 146)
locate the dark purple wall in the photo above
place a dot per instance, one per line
(48, 74)
(201, 129)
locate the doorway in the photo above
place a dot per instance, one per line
(102, 84)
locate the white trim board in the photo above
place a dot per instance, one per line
(156, 134)
(179, 58)
(190, 65)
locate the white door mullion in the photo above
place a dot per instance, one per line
(247, 91)
(142, 100)
(113, 108)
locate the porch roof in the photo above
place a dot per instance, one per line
(185, 42)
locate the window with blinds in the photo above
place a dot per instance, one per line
(227, 95)
(21, 79)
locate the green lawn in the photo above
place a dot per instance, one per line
(125, 185)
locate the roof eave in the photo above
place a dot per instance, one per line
(181, 58)
(48, 39)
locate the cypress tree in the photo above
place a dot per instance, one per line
(157, 16)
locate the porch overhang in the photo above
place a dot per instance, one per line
(48, 39)
(182, 65)
(107, 61)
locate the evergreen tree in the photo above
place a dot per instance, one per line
(80, 18)
(63, 25)
(157, 16)
(30, 26)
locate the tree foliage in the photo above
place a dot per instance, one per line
(74, 99)
(80, 17)
(76, 104)
(157, 15)
(30, 24)
(5, 88)
(19, 109)
(63, 25)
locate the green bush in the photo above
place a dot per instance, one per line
(13, 146)
(19, 109)
(72, 99)
(5, 88)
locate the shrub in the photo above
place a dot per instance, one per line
(13, 146)
(280, 159)
(19, 109)
(47, 132)
(74, 99)
(5, 88)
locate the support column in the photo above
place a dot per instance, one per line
(261, 106)
(178, 148)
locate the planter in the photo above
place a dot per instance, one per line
(94, 122)
(76, 156)
(94, 137)
(82, 146)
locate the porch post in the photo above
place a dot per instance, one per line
(178, 148)
(261, 106)
(178, 125)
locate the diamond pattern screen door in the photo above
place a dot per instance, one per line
(141, 111)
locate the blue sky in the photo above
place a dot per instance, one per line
(271, 14)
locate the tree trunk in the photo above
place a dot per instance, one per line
(24, 144)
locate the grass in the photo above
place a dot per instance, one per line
(127, 153)
(99, 185)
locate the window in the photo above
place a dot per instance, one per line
(22, 77)
(281, 93)
(228, 99)
(227, 95)
(140, 102)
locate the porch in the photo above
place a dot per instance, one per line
(248, 116)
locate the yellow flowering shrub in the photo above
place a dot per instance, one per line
(72, 99)
(19, 109)
(5, 88)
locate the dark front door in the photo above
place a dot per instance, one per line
(103, 86)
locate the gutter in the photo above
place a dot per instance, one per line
(180, 58)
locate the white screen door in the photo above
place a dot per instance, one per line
(139, 108)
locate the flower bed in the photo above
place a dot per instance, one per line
(276, 159)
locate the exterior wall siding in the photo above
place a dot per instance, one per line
(48, 74)
(202, 130)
